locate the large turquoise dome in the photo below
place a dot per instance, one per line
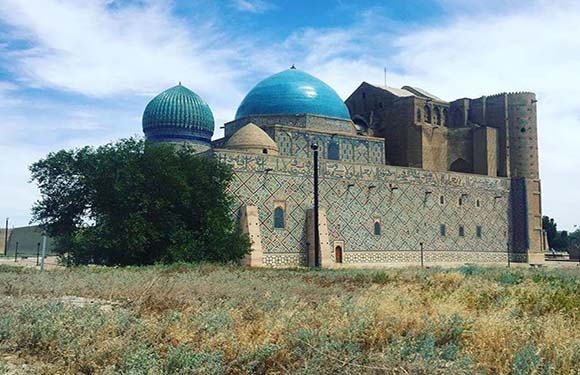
(292, 92)
(178, 114)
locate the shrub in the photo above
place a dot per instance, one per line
(526, 361)
(135, 203)
(183, 361)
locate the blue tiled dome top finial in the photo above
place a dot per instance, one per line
(178, 113)
(292, 92)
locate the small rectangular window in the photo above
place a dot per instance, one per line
(461, 231)
(333, 151)
(442, 200)
(442, 230)
(279, 218)
(279, 215)
(377, 228)
(478, 231)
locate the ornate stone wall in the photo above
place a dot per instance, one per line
(455, 217)
(296, 142)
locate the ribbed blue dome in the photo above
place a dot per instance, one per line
(178, 114)
(292, 92)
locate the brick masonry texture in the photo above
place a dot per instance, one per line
(410, 205)
(457, 179)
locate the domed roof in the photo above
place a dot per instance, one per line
(251, 138)
(180, 111)
(292, 92)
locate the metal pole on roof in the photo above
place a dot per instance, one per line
(37, 253)
(385, 76)
(43, 252)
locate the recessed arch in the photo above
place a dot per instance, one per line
(338, 254)
(461, 165)
(427, 114)
(437, 116)
(360, 123)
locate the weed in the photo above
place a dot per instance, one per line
(210, 319)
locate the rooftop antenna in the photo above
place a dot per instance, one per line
(385, 76)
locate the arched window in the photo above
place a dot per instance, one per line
(338, 254)
(377, 228)
(427, 114)
(279, 218)
(461, 231)
(419, 115)
(437, 116)
(445, 117)
(333, 151)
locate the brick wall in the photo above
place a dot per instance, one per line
(411, 205)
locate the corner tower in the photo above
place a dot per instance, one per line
(523, 135)
(178, 115)
(527, 233)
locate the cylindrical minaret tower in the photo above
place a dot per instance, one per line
(527, 233)
(178, 115)
(523, 135)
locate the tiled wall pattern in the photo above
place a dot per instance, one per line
(411, 205)
(356, 149)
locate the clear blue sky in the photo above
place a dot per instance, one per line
(76, 72)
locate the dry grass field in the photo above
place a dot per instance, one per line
(209, 319)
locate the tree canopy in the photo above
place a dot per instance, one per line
(557, 240)
(136, 203)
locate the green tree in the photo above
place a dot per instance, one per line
(551, 229)
(575, 236)
(558, 240)
(136, 203)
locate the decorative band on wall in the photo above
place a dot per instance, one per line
(429, 256)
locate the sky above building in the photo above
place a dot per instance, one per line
(80, 72)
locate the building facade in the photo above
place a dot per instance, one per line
(405, 177)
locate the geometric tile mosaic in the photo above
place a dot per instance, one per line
(406, 201)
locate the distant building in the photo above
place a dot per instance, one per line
(26, 240)
(401, 170)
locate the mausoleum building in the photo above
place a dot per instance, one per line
(404, 176)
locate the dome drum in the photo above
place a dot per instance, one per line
(305, 121)
(177, 134)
